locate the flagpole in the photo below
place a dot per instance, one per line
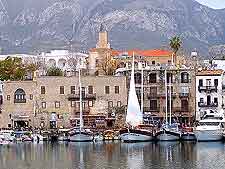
(166, 93)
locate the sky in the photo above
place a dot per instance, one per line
(216, 4)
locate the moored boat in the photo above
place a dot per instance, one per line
(136, 135)
(210, 128)
(188, 134)
(63, 135)
(134, 117)
(80, 135)
(168, 133)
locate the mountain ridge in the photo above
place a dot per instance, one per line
(31, 25)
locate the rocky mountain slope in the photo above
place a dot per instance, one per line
(32, 25)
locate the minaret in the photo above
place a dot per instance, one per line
(103, 38)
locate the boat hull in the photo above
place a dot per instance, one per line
(136, 136)
(188, 137)
(208, 135)
(167, 136)
(81, 137)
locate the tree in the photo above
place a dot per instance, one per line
(107, 64)
(175, 44)
(12, 68)
(54, 71)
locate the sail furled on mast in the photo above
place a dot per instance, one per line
(134, 115)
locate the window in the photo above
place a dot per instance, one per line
(153, 105)
(153, 62)
(215, 100)
(72, 89)
(169, 77)
(202, 100)
(31, 97)
(73, 103)
(152, 78)
(57, 104)
(43, 105)
(90, 103)
(169, 62)
(19, 96)
(184, 77)
(119, 103)
(137, 78)
(42, 89)
(8, 97)
(90, 90)
(106, 89)
(117, 89)
(184, 105)
(215, 82)
(208, 82)
(200, 82)
(61, 90)
(153, 91)
(110, 104)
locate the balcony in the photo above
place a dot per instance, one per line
(204, 104)
(85, 96)
(207, 88)
(184, 95)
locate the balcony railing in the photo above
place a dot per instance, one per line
(85, 96)
(204, 104)
(163, 95)
(207, 88)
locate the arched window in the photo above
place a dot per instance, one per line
(19, 96)
(137, 78)
(184, 77)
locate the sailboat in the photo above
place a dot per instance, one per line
(168, 131)
(134, 117)
(80, 134)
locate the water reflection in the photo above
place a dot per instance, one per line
(113, 155)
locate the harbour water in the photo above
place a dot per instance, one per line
(113, 155)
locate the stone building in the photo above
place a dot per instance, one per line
(50, 102)
(154, 90)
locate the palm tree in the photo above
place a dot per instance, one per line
(175, 44)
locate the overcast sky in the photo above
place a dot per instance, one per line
(217, 4)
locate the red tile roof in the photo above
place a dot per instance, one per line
(151, 52)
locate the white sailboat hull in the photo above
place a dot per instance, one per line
(81, 137)
(208, 135)
(133, 137)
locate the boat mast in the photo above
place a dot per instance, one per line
(81, 104)
(166, 94)
(142, 90)
(170, 84)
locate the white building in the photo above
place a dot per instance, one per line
(63, 59)
(209, 91)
